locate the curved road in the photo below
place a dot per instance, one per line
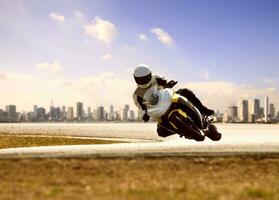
(140, 139)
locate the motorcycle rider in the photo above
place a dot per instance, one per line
(145, 80)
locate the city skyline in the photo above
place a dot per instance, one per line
(86, 50)
(68, 113)
(252, 110)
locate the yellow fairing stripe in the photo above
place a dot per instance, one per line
(175, 98)
(159, 121)
(180, 112)
(172, 112)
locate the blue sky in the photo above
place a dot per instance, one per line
(233, 42)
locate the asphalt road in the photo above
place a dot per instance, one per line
(141, 140)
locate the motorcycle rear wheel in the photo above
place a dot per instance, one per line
(213, 133)
(186, 127)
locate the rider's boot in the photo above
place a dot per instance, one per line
(212, 133)
(206, 111)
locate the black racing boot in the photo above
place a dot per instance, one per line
(206, 111)
(212, 133)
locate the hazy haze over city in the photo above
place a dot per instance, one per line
(85, 51)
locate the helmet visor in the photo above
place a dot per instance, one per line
(143, 80)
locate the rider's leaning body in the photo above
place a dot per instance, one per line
(145, 80)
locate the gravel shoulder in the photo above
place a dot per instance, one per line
(138, 178)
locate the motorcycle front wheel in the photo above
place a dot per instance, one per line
(186, 127)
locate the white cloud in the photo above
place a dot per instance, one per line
(102, 30)
(204, 73)
(79, 14)
(219, 94)
(54, 67)
(270, 81)
(130, 49)
(143, 37)
(57, 17)
(106, 57)
(26, 90)
(163, 36)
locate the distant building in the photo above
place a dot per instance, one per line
(35, 107)
(242, 110)
(89, 113)
(125, 113)
(51, 113)
(266, 109)
(63, 113)
(4, 116)
(261, 112)
(79, 111)
(41, 114)
(106, 116)
(232, 113)
(225, 117)
(118, 116)
(100, 113)
(253, 110)
(94, 114)
(271, 111)
(132, 116)
(56, 114)
(12, 115)
(111, 113)
(70, 114)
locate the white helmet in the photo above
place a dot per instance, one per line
(142, 75)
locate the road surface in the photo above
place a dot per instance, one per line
(140, 139)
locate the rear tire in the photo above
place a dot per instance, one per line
(213, 133)
(186, 127)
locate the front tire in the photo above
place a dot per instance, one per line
(186, 127)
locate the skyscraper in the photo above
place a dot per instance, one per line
(253, 110)
(271, 110)
(243, 110)
(79, 111)
(89, 113)
(35, 107)
(100, 113)
(266, 109)
(51, 111)
(125, 113)
(11, 110)
(41, 114)
(3, 116)
(232, 113)
(56, 114)
(132, 116)
(70, 113)
(111, 112)
(95, 114)
(63, 113)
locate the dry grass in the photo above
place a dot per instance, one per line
(164, 178)
(9, 141)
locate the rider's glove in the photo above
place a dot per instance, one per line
(171, 83)
(145, 117)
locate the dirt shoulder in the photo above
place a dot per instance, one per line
(11, 141)
(162, 178)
